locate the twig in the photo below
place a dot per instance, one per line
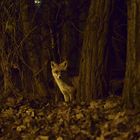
(76, 27)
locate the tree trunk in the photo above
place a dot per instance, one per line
(31, 51)
(8, 87)
(94, 62)
(131, 91)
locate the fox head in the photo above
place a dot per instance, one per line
(58, 69)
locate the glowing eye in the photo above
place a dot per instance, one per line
(37, 2)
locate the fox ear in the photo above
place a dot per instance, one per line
(64, 64)
(53, 64)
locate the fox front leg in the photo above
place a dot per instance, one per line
(66, 97)
(71, 97)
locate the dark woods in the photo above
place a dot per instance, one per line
(90, 34)
(33, 34)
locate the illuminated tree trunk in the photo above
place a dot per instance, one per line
(131, 92)
(94, 62)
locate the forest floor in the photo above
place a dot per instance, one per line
(99, 120)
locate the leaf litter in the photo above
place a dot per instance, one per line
(98, 120)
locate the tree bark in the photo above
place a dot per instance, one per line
(31, 51)
(94, 62)
(8, 87)
(7, 28)
(131, 91)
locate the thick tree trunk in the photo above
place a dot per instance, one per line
(131, 92)
(94, 62)
(32, 81)
(8, 86)
(8, 50)
(5, 66)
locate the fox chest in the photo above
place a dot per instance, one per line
(64, 87)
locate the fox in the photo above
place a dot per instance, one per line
(66, 84)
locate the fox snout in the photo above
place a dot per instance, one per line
(59, 76)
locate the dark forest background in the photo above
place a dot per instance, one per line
(99, 38)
